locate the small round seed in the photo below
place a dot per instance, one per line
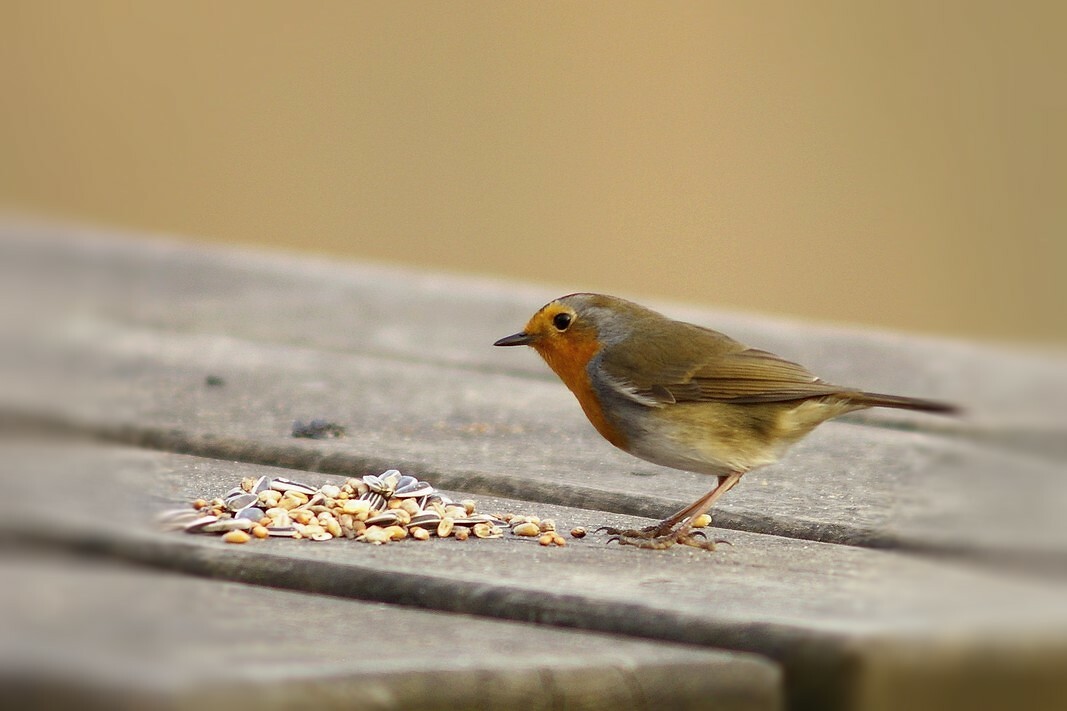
(237, 536)
(260, 531)
(547, 525)
(461, 534)
(701, 521)
(577, 532)
(355, 506)
(455, 511)
(546, 540)
(418, 533)
(486, 530)
(444, 529)
(330, 491)
(376, 535)
(300, 497)
(527, 528)
(468, 506)
(310, 530)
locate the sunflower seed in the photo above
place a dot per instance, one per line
(284, 485)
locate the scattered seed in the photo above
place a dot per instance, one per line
(701, 521)
(396, 533)
(236, 536)
(577, 532)
(526, 528)
(486, 530)
(222, 525)
(376, 535)
(356, 506)
(373, 509)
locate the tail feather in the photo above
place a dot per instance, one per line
(904, 403)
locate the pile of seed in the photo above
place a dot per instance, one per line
(371, 509)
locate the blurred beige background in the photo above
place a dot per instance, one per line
(897, 164)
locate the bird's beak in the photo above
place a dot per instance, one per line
(516, 339)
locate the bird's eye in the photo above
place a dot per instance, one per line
(561, 321)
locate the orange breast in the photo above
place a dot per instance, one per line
(570, 365)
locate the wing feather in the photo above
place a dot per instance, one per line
(710, 367)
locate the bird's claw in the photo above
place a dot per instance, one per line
(696, 539)
(653, 531)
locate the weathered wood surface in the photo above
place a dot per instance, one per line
(204, 645)
(129, 333)
(114, 340)
(95, 278)
(510, 435)
(848, 625)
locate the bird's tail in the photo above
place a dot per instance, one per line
(904, 403)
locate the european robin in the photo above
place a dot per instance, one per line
(685, 396)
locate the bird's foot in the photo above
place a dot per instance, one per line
(682, 536)
(653, 531)
(656, 530)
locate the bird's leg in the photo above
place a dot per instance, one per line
(664, 526)
(664, 534)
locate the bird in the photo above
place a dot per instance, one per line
(686, 397)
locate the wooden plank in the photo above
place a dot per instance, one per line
(511, 435)
(69, 276)
(853, 628)
(101, 636)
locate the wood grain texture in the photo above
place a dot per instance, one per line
(848, 624)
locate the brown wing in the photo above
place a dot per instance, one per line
(708, 367)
